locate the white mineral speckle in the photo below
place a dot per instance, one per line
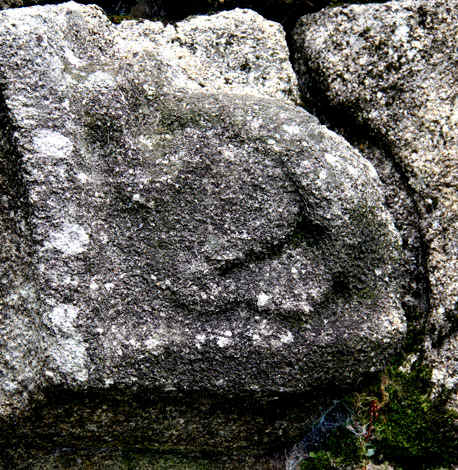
(353, 171)
(71, 239)
(263, 299)
(223, 341)
(100, 78)
(228, 153)
(291, 129)
(401, 33)
(440, 376)
(331, 159)
(256, 124)
(147, 141)
(323, 174)
(51, 144)
(269, 335)
(71, 57)
(50, 374)
(63, 316)
(83, 177)
(411, 53)
(260, 331)
(70, 357)
(109, 382)
(287, 337)
(151, 343)
(200, 340)
(265, 329)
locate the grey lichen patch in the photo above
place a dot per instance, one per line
(67, 353)
(70, 239)
(51, 144)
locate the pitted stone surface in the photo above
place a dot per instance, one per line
(444, 361)
(182, 236)
(225, 51)
(393, 66)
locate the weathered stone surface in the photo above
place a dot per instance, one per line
(175, 229)
(229, 51)
(393, 67)
(444, 360)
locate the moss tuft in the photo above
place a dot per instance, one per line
(342, 450)
(413, 430)
(394, 420)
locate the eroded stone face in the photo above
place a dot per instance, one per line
(393, 64)
(223, 226)
(186, 237)
(393, 67)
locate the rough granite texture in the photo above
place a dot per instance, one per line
(177, 229)
(445, 371)
(393, 67)
(237, 50)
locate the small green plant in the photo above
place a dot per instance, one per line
(395, 421)
(343, 449)
(321, 460)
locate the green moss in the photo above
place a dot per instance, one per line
(343, 449)
(321, 460)
(367, 293)
(413, 430)
(405, 427)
